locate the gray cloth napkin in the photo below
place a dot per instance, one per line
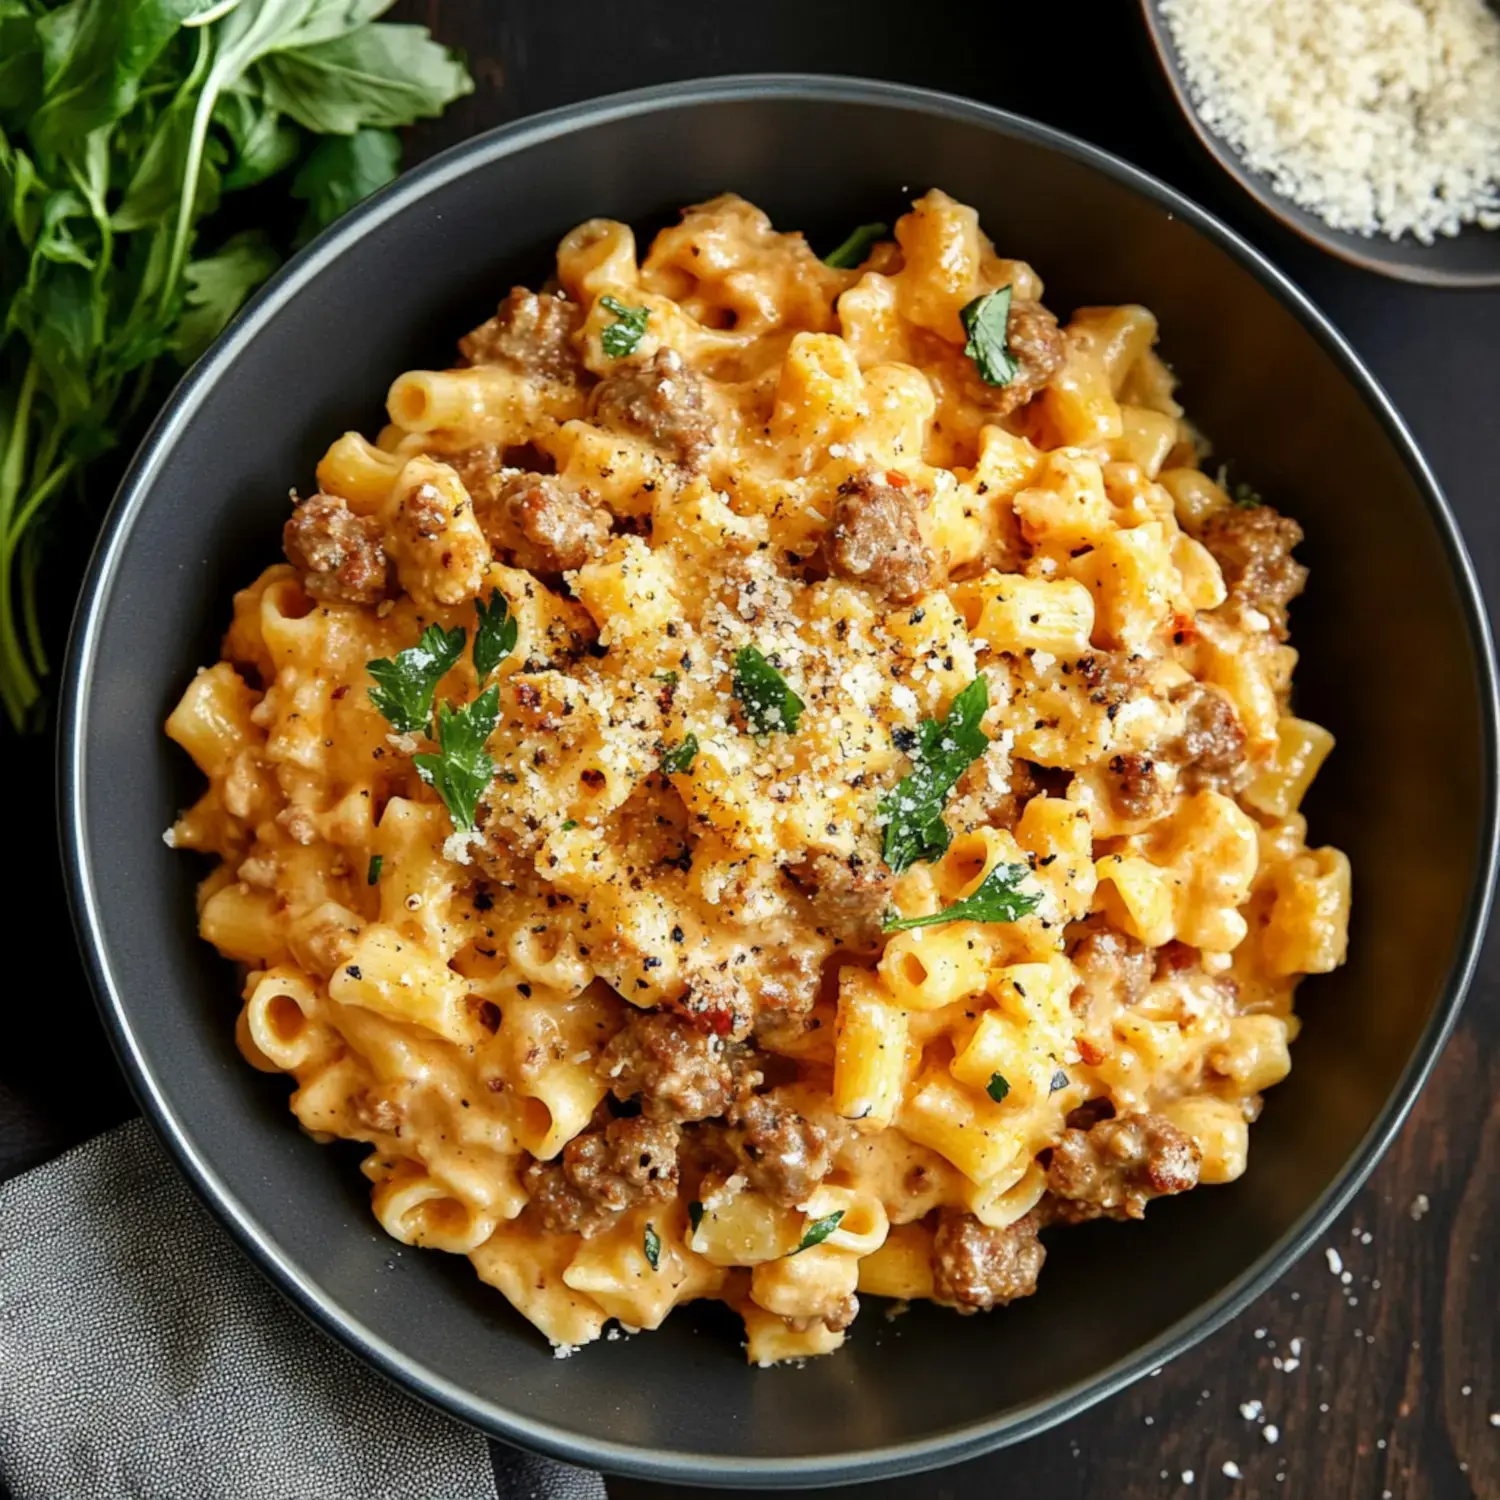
(142, 1358)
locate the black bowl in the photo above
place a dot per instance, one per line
(1397, 662)
(1470, 258)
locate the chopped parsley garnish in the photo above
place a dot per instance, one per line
(1059, 1081)
(771, 707)
(372, 875)
(621, 337)
(818, 1231)
(1246, 496)
(407, 681)
(570, 825)
(986, 320)
(669, 677)
(651, 1244)
(677, 760)
(462, 768)
(854, 251)
(941, 750)
(998, 1087)
(695, 1216)
(494, 634)
(997, 898)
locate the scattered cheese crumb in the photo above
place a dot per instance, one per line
(457, 845)
(169, 838)
(1419, 1206)
(1270, 1432)
(1230, 1469)
(1335, 1260)
(1251, 1410)
(1187, 1476)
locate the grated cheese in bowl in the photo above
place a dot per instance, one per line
(1378, 116)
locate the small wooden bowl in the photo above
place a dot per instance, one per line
(1468, 259)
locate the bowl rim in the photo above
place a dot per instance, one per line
(154, 1092)
(1302, 222)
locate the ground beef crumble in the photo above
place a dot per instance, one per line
(601, 1173)
(1116, 1166)
(976, 1267)
(661, 401)
(532, 333)
(338, 553)
(1253, 547)
(876, 539)
(677, 1069)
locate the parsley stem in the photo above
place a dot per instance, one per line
(18, 687)
(34, 502)
(29, 619)
(187, 205)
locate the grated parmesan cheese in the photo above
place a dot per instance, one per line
(1378, 116)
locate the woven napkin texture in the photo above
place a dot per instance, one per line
(142, 1358)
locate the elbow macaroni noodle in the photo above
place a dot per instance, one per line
(460, 1001)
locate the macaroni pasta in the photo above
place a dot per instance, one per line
(770, 781)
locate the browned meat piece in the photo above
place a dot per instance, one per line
(1111, 677)
(1253, 546)
(532, 333)
(790, 976)
(601, 1173)
(876, 539)
(1113, 1169)
(783, 1152)
(1212, 747)
(1112, 967)
(848, 895)
(1036, 343)
(718, 1003)
(679, 1070)
(661, 401)
(545, 526)
(1137, 787)
(975, 1267)
(338, 552)
(843, 1315)
(1174, 957)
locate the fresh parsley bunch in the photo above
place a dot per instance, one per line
(123, 125)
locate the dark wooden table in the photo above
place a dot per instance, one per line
(1383, 1385)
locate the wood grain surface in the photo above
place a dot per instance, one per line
(1381, 1380)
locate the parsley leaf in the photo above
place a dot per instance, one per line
(998, 1087)
(677, 759)
(998, 898)
(341, 171)
(1246, 496)
(462, 768)
(408, 681)
(384, 75)
(124, 124)
(494, 634)
(818, 1231)
(629, 327)
(377, 863)
(986, 320)
(943, 751)
(217, 286)
(770, 705)
(695, 1216)
(856, 249)
(570, 825)
(651, 1244)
